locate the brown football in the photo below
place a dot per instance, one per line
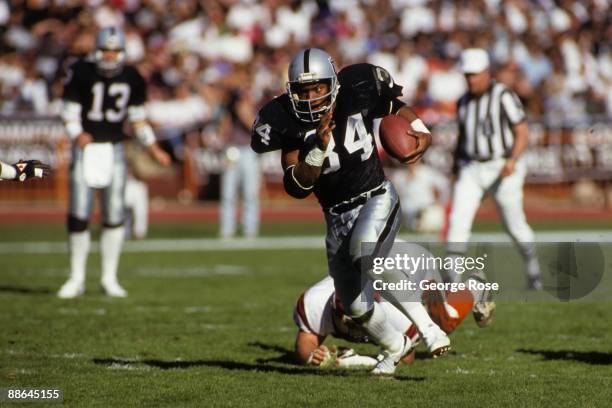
(394, 139)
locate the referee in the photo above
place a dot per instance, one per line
(492, 135)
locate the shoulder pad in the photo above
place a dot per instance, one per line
(275, 127)
(366, 84)
(80, 65)
(357, 76)
(368, 78)
(77, 71)
(132, 72)
(386, 85)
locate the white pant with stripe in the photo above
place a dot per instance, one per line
(474, 180)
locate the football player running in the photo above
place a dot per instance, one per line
(100, 93)
(323, 125)
(318, 314)
(24, 170)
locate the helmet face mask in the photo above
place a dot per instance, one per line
(110, 51)
(310, 67)
(311, 110)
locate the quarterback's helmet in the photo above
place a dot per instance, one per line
(310, 66)
(110, 39)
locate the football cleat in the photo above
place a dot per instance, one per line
(114, 289)
(483, 313)
(71, 289)
(387, 362)
(484, 308)
(436, 341)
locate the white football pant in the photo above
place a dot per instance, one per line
(474, 180)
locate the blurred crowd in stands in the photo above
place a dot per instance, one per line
(200, 56)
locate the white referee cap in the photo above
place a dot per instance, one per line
(474, 60)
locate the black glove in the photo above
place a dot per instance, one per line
(27, 169)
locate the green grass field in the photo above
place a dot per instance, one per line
(214, 328)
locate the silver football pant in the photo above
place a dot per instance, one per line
(377, 221)
(81, 195)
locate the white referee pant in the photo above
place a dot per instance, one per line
(474, 180)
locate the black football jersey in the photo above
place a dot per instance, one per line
(104, 100)
(351, 164)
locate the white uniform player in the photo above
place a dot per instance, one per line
(319, 314)
(492, 135)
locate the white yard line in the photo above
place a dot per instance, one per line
(273, 243)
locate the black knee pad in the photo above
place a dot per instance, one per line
(107, 225)
(364, 318)
(76, 225)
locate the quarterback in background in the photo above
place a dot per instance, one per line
(100, 93)
(323, 125)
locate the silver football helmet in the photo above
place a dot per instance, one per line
(110, 39)
(309, 66)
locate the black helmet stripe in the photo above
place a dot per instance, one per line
(307, 60)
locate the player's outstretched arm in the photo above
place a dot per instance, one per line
(23, 170)
(309, 348)
(418, 131)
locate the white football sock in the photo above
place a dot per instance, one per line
(532, 266)
(382, 332)
(79, 249)
(528, 251)
(453, 275)
(479, 295)
(111, 241)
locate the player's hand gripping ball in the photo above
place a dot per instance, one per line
(395, 138)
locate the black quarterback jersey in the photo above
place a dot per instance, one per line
(351, 164)
(104, 100)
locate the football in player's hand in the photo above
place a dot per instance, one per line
(394, 139)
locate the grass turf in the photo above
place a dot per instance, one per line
(215, 329)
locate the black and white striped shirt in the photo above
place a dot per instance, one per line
(485, 123)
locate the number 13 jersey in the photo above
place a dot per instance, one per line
(104, 100)
(351, 164)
